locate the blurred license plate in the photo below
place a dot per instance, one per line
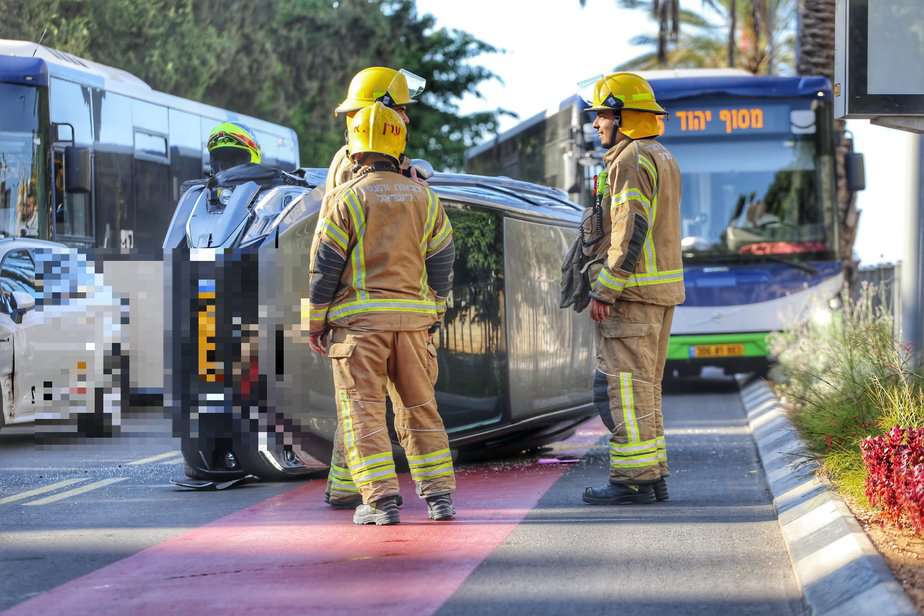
(717, 350)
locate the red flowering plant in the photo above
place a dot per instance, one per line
(895, 475)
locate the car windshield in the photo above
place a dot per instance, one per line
(20, 157)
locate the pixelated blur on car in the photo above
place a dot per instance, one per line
(63, 366)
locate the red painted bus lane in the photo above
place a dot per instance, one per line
(292, 552)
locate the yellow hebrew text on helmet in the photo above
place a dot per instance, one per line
(392, 88)
(378, 129)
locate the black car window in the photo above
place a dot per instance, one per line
(62, 274)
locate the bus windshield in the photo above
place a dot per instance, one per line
(20, 160)
(757, 190)
(751, 196)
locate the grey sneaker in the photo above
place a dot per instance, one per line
(383, 512)
(440, 507)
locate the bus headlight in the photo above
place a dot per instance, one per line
(822, 316)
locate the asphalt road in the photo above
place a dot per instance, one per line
(523, 544)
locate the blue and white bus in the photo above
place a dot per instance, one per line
(757, 158)
(92, 157)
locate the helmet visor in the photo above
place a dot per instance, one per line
(222, 158)
(415, 83)
(587, 87)
(404, 87)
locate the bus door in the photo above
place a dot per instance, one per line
(72, 166)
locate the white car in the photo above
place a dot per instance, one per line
(62, 361)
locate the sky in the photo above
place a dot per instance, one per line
(550, 45)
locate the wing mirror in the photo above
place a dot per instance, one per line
(77, 176)
(423, 168)
(856, 172)
(21, 303)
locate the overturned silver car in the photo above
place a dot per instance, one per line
(248, 396)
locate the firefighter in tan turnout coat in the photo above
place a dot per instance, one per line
(379, 275)
(637, 279)
(396, 89)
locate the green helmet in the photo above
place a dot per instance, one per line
(231, 144)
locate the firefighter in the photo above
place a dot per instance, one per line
(231, 144)
(395, 89)
(379, 276)
(636, 282)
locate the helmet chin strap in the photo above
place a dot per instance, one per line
(614, 132)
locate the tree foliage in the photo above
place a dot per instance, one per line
(287, 61)
(756, 35)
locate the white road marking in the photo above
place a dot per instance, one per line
(35, 492)
(176, 460)
(76, 491)
(149, 459)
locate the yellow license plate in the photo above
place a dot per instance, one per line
(718, 350)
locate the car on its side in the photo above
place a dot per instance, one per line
(62, 360)
(246, 393)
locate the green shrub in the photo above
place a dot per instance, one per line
(846, 377)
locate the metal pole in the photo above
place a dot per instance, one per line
(912, 270)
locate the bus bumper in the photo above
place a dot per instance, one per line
(688, 354)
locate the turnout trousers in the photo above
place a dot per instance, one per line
(364, 362)
(631, 350)
(340, 484)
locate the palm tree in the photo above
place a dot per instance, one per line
(816, 57)
(757, 35)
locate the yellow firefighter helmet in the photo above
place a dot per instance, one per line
(618, 91)
(379, 129)
(386, 85)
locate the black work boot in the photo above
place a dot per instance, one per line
(440, 507)
(350, 502)
(620, 494)
(382, 512)
(660, 490)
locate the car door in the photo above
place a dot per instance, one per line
(17, 274)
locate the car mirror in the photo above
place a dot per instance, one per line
(424, 169)
(22, 301)
(856, 172)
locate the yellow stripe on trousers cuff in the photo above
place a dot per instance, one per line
(440, 470)
(627, 398)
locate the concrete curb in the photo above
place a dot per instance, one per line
(837, 566)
